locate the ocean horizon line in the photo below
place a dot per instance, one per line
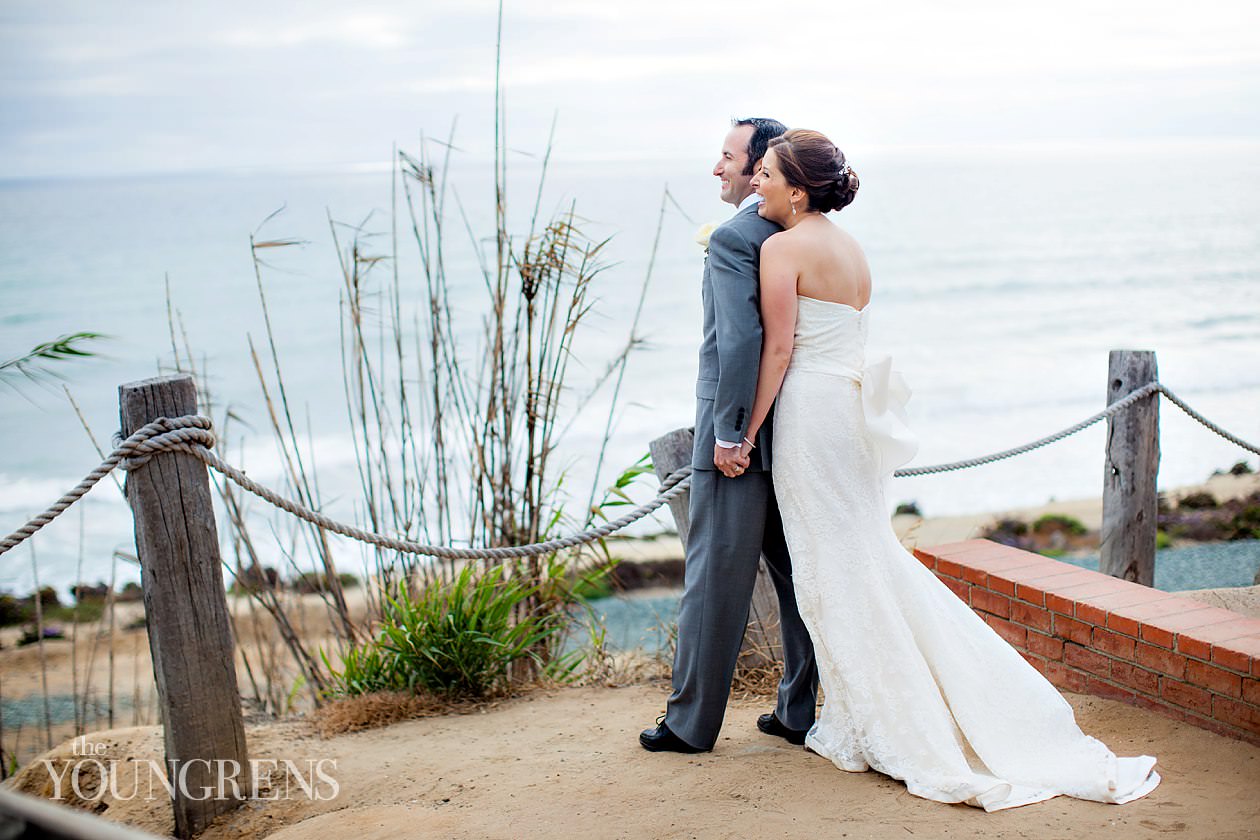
(1101, 147)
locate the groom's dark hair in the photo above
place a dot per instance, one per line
(764, 130)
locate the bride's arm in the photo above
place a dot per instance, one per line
(778, 321)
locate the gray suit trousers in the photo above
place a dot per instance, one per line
(733, 521)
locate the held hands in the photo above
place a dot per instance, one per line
(732, 462)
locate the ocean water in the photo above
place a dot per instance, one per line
(1002, 280)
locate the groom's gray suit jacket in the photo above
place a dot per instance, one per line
(733, 520)
(731, 351)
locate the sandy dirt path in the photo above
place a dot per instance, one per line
(567, 763)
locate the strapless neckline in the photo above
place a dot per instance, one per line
(834, 303)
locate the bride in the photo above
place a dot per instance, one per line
(917, 686)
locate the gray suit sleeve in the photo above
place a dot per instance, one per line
(733, 266)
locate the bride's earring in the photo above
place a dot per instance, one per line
(793, 208)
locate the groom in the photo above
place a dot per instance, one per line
(734, 518)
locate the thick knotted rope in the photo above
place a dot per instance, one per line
(1110, 411)
(1237, 441)
(192, 435)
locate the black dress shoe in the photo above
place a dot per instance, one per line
(771, 725)
(661, 739)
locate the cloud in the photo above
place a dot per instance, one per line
(132, 85)
(361, 31)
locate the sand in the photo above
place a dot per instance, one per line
(566, 762)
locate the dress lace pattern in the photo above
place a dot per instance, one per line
(917, 686)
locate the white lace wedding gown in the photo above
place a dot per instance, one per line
(917, 686)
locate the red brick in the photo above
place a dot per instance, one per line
(1098, 585)
(1240, 627)
(1067, 577)
(1215, 679)
(1199, 619)
(973, 575)
(1059, 604)
(1064, 677)
(1122, 624)
(948, 568)
(1225, 656)
(973, 549)
(1070, 628)
(1249, 645)
(948, 549)
(1046, 646)
(1243, 715)
(1001, 584)
(1030, 616)
(1013, 633)
(1086, 659)
(1129, 674)
(1163, 608)
(1031, 594)
(1102, 688)
(1227, 730)
(990, 602)
(1091, 614)
(1156, 635)
(1187, 696)
(926, 558)
(1251, 691)
(1028, 572)
(959, 588)
(1113, 643)
(1131, 596)
(1164, 661)
(1191, 646)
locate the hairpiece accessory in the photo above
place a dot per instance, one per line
(844, 169)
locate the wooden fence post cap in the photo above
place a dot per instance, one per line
(152, 381)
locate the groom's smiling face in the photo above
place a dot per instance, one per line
(731, 166)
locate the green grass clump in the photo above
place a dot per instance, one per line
(457, 638)
(1069, 523)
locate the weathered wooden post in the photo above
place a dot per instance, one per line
(185, 611)
(1130, 501)
(762, 644)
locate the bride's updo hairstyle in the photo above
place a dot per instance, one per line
(811, 162)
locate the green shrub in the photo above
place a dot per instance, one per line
(13, 611)
(1201, 500)
(365, 669)
(1246, 524)
(308, 583)
(1052, 520)
(593, 584)
(460, 638)
(91, 610)
(1162, 540)
(910, 508)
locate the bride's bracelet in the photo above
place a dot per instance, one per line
(750, 443)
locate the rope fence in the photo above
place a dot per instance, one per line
(193, 435)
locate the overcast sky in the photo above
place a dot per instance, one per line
(114, 86)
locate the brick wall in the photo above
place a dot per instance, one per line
(1092, 633)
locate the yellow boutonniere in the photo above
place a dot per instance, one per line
(703, 234)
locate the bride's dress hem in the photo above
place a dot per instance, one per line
(997, 795)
